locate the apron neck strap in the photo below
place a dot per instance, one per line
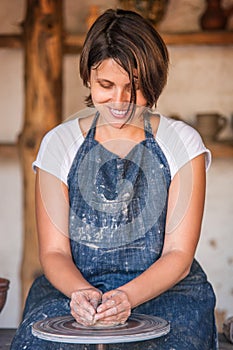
(147, 126)
(91, 132)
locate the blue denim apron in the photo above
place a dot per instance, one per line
(117, 209)
(117, 225)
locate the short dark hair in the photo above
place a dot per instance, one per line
(132, 42)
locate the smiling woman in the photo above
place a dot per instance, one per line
(111, 94)
(109, 82)
(129, 43)
(119, 201)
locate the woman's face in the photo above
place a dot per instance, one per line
(111, 92)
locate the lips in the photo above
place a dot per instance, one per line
(119, 113)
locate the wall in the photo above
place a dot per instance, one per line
(215, 247)
(200, 79)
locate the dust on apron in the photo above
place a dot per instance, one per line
(117, 209)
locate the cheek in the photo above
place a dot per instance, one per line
(141, 101)
(100, 96)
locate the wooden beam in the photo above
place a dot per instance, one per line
(72, 43)
(43, 110)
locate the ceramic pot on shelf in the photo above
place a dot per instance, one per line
(215, 16)
(4, 285)
(209, 125)
(153, 10)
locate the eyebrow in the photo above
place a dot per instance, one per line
(104, 80)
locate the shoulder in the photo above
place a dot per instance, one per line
(65, 131)
(180, 132)
(71, 130)
(62, 138)
(58, 148)
(180, 143)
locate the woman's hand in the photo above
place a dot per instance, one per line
(89, 307)
(83, 305)
(115, 309)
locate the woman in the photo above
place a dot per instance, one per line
(119, 201)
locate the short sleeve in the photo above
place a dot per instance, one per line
(58, 149)
(180, 143)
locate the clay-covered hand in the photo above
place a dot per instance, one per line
(83, 305)
(115, 309)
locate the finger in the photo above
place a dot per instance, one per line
(116, 295)
(120, 301)
(120, 318)
(82, 316)
(81, 320)
(87, 294)
(82, 300)
(115, 311)
(83, 313)
(83, 308)
(95, 302)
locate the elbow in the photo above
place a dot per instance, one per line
(186, 268)
(42, 260)
(179, 263)
(184, 263)
(186, 272)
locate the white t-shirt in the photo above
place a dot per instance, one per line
(179, 142)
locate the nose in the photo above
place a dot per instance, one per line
(121, 95)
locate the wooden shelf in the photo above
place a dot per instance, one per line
(221, 149)
(218, 150)
(11, 41)
(73, 42)
(8, 150)
(199, 38)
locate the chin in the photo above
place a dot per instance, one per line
(116, 116)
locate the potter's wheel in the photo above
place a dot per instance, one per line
(64, 329)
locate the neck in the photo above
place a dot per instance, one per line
(133, 131)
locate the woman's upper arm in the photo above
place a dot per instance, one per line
(185, 208)
(52, 211)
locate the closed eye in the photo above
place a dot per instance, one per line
(105, 84)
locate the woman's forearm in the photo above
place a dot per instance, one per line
(60, 270)
(159, 277)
